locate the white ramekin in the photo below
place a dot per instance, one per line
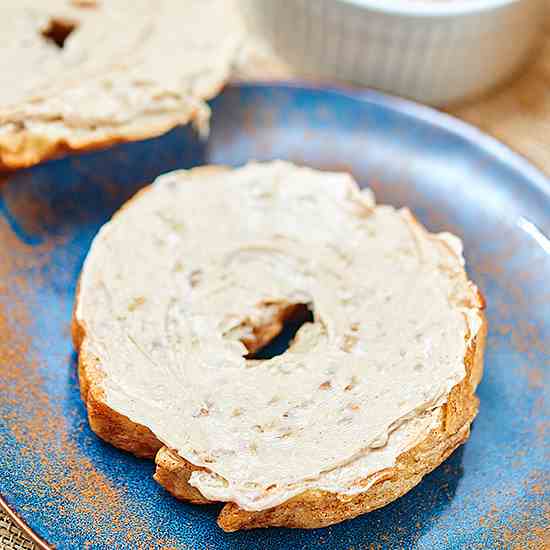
(434, 51)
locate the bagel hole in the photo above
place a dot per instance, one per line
(58, 30)
(296, 316)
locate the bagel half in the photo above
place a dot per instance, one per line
(203, 268)
(85, 74)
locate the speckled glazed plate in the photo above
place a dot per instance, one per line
(74, 491)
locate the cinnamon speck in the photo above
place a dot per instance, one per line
(195, 277)
(135, 303)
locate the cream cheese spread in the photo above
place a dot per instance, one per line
(171, 281)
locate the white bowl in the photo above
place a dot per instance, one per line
(433, 51)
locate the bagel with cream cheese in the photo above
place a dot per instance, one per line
(203, 268)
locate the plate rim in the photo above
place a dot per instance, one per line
(23, 526)
(431, 115)
(442, 120)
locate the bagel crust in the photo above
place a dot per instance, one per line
(444, 425)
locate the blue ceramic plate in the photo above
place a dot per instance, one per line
(75, 491)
